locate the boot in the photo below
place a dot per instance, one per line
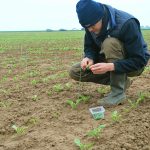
(127, 84)
(118, 83)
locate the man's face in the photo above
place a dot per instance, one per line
(96, 28)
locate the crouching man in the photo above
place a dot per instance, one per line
(114, 49)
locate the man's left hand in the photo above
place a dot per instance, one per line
(101, 68)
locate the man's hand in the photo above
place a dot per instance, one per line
(101, 68)
(86, 62)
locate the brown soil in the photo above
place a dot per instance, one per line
(57, 124)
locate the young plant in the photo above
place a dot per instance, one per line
(58, 88)
(103, 90)
(68, 86)
(34, 82)
(34, 97)
(73, 104)
(115, 116)
(32, 121)
(63, 75)
(45, 80)
(19, 130)
(87, 68)
(49, 93)
(5, 104)
(84, 98)
(141, 99)
(146, 70)
(83, 146)
(96, 133)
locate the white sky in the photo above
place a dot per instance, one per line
(56, 14)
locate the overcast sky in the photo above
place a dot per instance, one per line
(56, 14)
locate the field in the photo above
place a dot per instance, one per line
(35, 88)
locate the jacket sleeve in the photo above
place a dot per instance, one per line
(90, 48)
(134, 46)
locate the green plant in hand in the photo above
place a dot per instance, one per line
(83, 146)
(96, 133)
(115, 116)
(88, 68)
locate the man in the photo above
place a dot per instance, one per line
(114, 49)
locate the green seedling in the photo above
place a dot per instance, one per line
(49, 93)
(52, 68)
(88, 68)
(14, 79)
(34, 82)
(9, 71)
(83, 146)
(5, 104)
(84, 98)
(5, 78)
(74, 104)
(102, 90)
(34, 97)
(146, 70)
(96, 133)
(68, 86)
(32, 121)
(141, 99)
(58, 88)
(115, 116)
(45, 80)
(55, 115)
(4, 91)
(63, 75)
(19, 130)
(33, 73)
(52, 77)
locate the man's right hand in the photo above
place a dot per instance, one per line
(86, 62)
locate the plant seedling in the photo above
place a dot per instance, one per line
(34, 97)
(88, 68)
(84, 98)
(19, 130)
(58, 88)
(68, 86)
(102, 90)
(34, 82)
(96, 133)
(141, 99)
(5, 104)
(115, 116)
(146, 70)
(83, 146)
(74, 104)
(45, 80)
(32, 121)
(49, 93)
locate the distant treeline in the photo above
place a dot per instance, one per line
(74, 29)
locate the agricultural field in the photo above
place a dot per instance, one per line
(41, 108)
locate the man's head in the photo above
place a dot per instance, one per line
(90, 14)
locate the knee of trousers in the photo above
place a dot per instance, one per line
(74, 71)
(113, 49)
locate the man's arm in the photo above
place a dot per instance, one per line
(91, 50)
(134, 49)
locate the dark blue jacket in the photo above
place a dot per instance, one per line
(126, 28)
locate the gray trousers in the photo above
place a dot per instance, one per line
(113, 50)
